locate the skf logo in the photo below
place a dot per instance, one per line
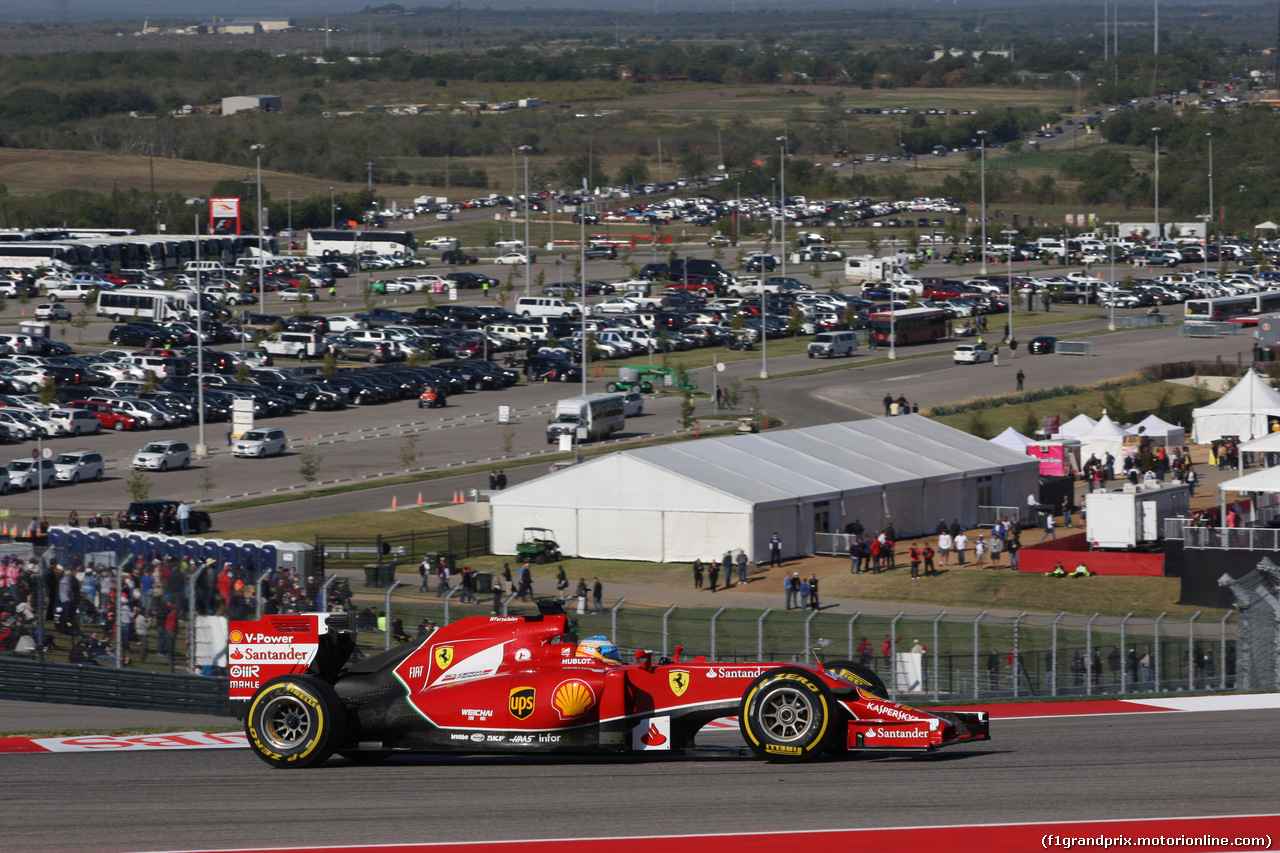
(679, 681)
(444, 656)
(521, 703)
(573, 698)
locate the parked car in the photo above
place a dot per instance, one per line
(75, 421)
(260, 443)
(30, 473)
(77, 465)
(52, 311)
(151, 515)
(163, 455)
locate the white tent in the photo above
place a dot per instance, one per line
(1012, 439)
(1266, 480)
(1105, 437)
(1269, 443)
(1243, 411)
(678, 502)
(1076, 427)
(1167, 434)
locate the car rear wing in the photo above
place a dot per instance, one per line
(258, 651)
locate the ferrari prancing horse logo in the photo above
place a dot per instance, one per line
(444, 656)
(679, 681)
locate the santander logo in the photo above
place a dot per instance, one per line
(653, 737)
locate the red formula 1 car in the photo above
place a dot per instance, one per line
(523, 684)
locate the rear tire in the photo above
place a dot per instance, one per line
(295, 721)
(612, 387)
(788, 715)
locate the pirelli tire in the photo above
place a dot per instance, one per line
(863, 676)
(295, 721)
(788, 716)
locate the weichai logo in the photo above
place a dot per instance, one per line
(521, 702)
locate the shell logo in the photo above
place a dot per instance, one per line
(236, 637)
(573, 698)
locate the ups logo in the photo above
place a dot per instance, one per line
(521, 703)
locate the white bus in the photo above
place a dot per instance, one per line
(326, 242)
(156, 305)
(60, 257)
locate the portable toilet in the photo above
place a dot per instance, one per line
(58, 537)
(269, 556)
(93, 541)
(113, 541)
(229, 552)
(298, 557)
(154, 548)
(75, 543)
(249, 557)
(191, 551)
(172, 547)
(209, 549)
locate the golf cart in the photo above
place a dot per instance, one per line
(538, 545)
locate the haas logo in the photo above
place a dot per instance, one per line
(444, 656)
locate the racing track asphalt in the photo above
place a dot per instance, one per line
(1081, 768)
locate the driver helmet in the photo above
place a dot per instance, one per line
(599, 648)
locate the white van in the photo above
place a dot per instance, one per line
(832, 344)
(597, 415)
(545, 306)
(301, 345)
(209, 268)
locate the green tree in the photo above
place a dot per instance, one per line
(978, 425)
(330, 366)
(873, 244)
(139, 486)
(688, 412)
(1030, 423)
(1114, 403)
(243, 372)
(409, 451)
(207, 482)
(309, 462)
(48, 392)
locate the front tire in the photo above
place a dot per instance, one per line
(861, 675)
(787, 716)
(295, 721)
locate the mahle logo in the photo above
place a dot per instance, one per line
(521, 703)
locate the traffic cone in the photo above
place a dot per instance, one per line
(455, 496)
(394, 505)
(462, 496)
(419, 497)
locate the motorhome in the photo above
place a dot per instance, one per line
(590, 417)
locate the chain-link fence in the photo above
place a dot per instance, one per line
(930, 654)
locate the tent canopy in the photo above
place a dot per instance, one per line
(1077, 426)
(1266, 480)
(1156, 428)
(1243, 411)
(1012, 439)
(1269, 443)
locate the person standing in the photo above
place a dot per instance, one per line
(915, 563)
(927, 553)
(961, 542)
(855, 555)
(142, 631)
(502, 479)
(713, 572)
(1066, 511)
(597, 594)
(697, 574)
(1021, 377)
(997, 545)
(980, 552)
(944, 546)
(775, 550)
(424, 572)
(493, 481)
(498, 586)
(813, 592)
(1013, 548)
(804, 592)
(888, 404)
(875, 554)
(726, 567)
(789, 590)
(184, 518)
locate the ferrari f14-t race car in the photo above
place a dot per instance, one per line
(524, 684)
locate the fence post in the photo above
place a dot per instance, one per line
(613, 618)
(191, 618)
(1191, 650)
(977, 685)
(386, 614)
(506, 602)
(893, 649)
(936, 656)
(1155, 673)
(1124, 657)
(760, 633)
(1018, 668)
(448, 596)
(714, 617)
(852, 619)
(1088, 655)
(1222, 651)
(808, 643)
(667, 613)
(322, 604)
(1053, 656)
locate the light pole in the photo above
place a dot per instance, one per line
(1209, 222)
(528, 250)
(1111, 246)
(262, 269)
(1206, 218)
(782, 249)
(1159, 230)
(202, 448)
(982, 153)
(333, 210)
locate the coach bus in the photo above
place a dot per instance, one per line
(909, 326)
(330, 242)
(1232, 309)
(62, 257)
